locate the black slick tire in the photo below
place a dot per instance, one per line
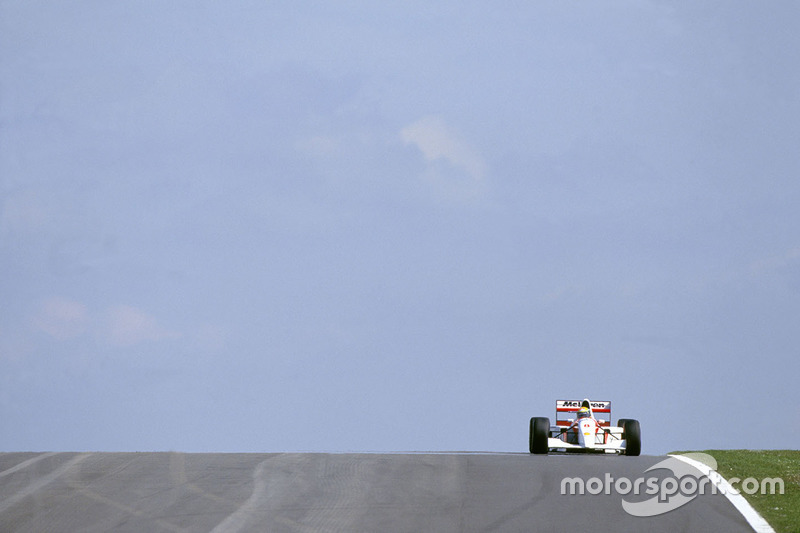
(539, 432)
(633, 437)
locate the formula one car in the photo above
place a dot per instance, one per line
(584, 426)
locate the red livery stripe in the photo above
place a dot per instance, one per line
(567, 423)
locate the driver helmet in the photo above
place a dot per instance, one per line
(583, 412)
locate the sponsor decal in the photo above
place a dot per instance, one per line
(577, 404)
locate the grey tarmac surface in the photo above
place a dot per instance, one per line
(301, 492)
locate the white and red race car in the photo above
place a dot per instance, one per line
(585, 426)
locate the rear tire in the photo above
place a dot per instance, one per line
(539, 433)
(621, 422)
(633, 438)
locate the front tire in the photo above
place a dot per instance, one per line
(633, 437)
(539, 433)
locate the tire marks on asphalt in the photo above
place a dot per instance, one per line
(350, 492)
(26, 464)
(237, 520)
(40, 482)
(177, 469)
(83, 489)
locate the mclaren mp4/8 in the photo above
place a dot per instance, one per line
(584, 426)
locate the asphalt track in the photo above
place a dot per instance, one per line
(414, 492)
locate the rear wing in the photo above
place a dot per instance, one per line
(566, 411)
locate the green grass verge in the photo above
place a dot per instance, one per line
(782, 511)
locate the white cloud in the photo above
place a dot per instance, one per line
(61, 318)
(126, 326)
(121, 325)
(438, 142)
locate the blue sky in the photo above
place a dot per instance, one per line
(360, 226)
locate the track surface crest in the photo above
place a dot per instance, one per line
(302, 492)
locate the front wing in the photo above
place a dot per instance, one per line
(607, 440)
